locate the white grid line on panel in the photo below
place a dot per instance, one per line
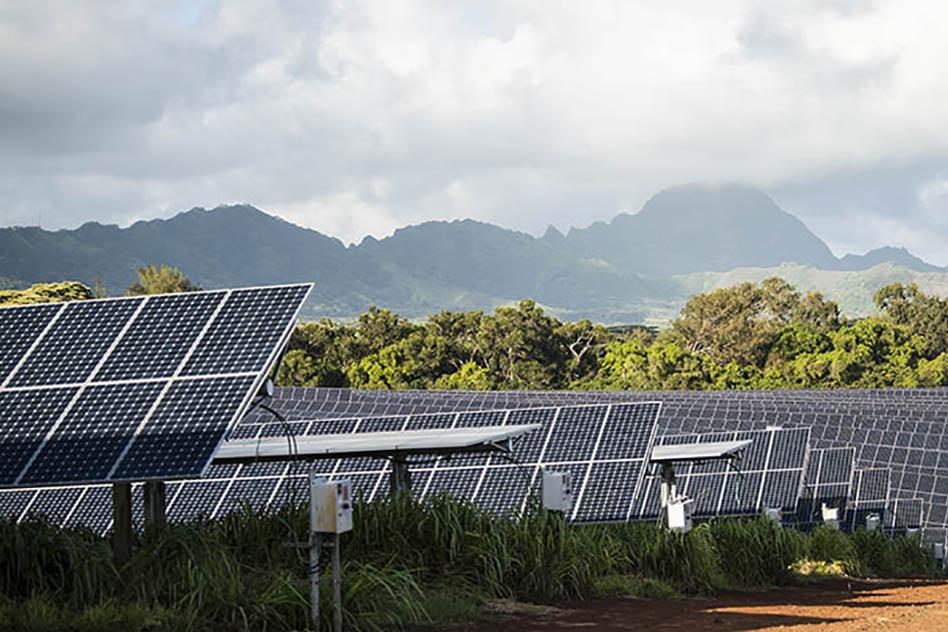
(763, 478)
(28, 506)
(75, 505)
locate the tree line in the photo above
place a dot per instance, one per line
(749, 336)
(762, 336)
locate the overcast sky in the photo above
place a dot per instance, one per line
(357, 117)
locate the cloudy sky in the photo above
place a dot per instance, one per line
(356, 117)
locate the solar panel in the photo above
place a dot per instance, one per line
(905, 513)
(768, 475)
(870, 496)
(899, 429)
(828, 481)
(132, 388)
(606, 478)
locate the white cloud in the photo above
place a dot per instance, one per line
(356, 117)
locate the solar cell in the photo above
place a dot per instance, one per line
(20, 328)
(25, 420)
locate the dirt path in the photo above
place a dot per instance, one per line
(838, 606)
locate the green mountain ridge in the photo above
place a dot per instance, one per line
(635, 268)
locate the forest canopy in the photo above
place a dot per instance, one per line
(748, 336)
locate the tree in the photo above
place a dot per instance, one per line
(160, 280)
(520, 349)
(925, 315)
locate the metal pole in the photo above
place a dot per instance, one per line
(336, 586)
(155, 504)
(314, 545)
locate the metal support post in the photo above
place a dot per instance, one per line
(336, 586)
(155, 504)
(400, 478)
(122, 522)
(314, 548)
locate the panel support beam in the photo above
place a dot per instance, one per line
(122, 522)
(155, 505)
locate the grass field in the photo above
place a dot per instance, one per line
(405, 563)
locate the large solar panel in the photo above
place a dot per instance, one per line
(768, 475)
(132, 388)
(605, 447)
(828, 481)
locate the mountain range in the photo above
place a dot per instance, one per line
(633, 268)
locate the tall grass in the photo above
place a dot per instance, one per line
(403, 563)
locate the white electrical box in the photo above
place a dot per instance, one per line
(330, 506)
(773, 513)
(679, 515)
(911, 532)
(872, 522)
(938, 552)
(830, 516)
(557, 491)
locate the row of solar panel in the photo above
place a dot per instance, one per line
(901, 430)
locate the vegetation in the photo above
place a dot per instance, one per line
(406, 562)
(160, 280)
(46, 293)
(748, 336)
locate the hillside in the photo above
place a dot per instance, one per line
(852, 289)
(634, 268)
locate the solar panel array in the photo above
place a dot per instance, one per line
(902, 430)
(132, 388)
(768, 475)
(828, 481)
(898, 430)
(605, 447)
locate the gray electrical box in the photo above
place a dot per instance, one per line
(330, 506)
(873, 521)
(557, 491)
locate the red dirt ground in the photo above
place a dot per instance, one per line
(837, 606)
